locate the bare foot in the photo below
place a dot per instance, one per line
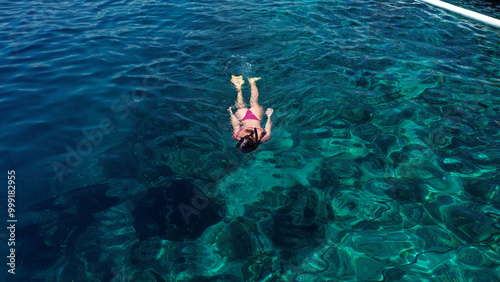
(237, 81)
(253, 79)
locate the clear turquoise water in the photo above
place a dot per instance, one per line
(382, 166)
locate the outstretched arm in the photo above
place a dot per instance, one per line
(269, 112)
(234, 122)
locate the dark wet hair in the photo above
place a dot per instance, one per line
(247, 144)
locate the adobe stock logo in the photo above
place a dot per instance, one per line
(94, 137)
(199, 202)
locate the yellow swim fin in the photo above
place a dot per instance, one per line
(237, 81)
(253, 79)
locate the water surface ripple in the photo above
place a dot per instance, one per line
(383, 163)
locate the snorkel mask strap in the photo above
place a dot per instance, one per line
(256, 136)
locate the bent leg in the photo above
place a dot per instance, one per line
(254, 99)
(239, 101)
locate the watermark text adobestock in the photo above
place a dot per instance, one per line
(94, 137)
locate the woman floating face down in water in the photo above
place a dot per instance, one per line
(246, 122)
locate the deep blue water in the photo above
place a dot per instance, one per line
(383, 162)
